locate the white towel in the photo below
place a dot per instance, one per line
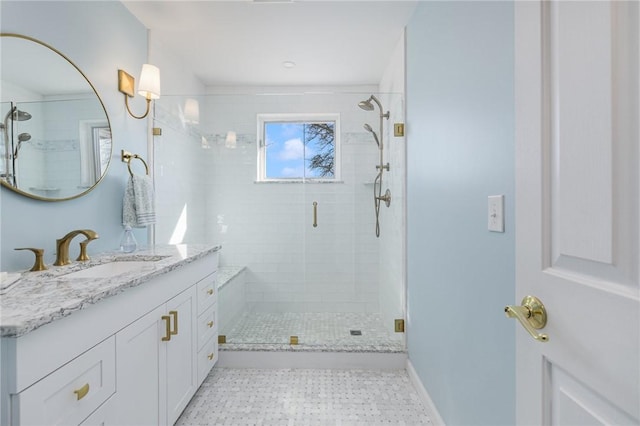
(138, 206)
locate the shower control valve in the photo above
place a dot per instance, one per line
(385, 167)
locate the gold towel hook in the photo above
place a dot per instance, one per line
(126, 157)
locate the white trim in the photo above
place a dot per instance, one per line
(432, 411)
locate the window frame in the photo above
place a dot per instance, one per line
(262, 119)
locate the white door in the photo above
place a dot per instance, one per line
(577, 210)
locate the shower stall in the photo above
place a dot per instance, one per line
(307, 259)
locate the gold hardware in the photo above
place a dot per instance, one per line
(315, 214)
(399, 326)
(126, 83)
(210, 356)
(126, 157)
(38, 265)
(210, 324)
(83, 257)
(293, 340)
(62, 246)
(82, 392)
(398, 129)
(150, 76)
(532, 315)
(174, 314)
(210, 291)
(222, 339)
(157, 131)
(167, 321)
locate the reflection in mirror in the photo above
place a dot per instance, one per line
(56, 138)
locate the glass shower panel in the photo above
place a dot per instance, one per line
(282, 279)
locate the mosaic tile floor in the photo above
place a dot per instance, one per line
(315, 331)
(287, 397)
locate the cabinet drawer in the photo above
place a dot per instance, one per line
(207, 358)
(68, 395)
(207, 292)
(103, 416)
(207, 326)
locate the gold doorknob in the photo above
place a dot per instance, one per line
(532, 315)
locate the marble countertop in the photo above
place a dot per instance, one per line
(39, 298)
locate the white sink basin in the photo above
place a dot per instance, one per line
(110, 269)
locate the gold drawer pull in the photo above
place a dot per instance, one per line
(210, 356)
(174, 314)
(210, 324)
(82, 392)
(167, 321)
(210, 291)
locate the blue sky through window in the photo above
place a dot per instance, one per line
(287, 156)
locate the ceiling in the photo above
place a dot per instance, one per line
(246, 42)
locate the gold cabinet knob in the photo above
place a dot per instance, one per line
(210, 291)
(532, 315)
(210, 324)
(210, 356)
(82, 392)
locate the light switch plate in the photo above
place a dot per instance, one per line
(496, 213)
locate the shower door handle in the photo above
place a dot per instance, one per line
(315, 214)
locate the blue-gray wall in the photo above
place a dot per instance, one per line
(99, 37)
(460, 121)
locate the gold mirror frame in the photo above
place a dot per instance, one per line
(106, 116)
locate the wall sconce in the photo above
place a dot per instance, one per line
(149, 86)
(230, 140)
(191, 111)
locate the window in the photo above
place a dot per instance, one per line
(298, 147)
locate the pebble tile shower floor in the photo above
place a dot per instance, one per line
(300, 397)
(328, 330)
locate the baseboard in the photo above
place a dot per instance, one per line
(432, 411)
(307, 359)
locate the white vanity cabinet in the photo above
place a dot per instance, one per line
(156, 361)
(207, 326)
(131, 359)
(68, 395)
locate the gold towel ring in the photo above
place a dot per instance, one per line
(126, 156)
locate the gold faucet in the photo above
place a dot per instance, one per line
(39, 263)
(62, 246)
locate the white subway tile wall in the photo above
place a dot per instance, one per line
(267, 227)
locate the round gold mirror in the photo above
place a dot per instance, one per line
(55, 136)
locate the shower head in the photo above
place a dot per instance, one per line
(22, 137)
(370, 130)
(366, 105)
(20, 115)
(16, 115)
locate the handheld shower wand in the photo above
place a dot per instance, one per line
(14, 114)
(22, 137)
(367, 105)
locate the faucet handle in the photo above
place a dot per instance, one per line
(38, 265)
(83, 257)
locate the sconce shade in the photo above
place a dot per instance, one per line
(192, 111)
(149, 86)
(230, 140)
